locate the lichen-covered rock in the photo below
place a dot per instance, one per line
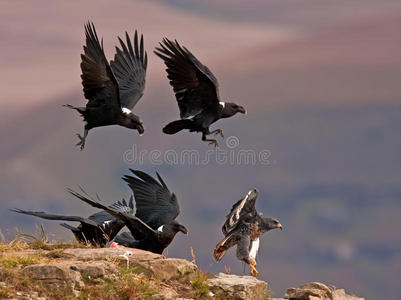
(317, 291)
(237, 287)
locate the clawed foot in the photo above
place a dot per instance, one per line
(254, 272)
(213, 142)
(253, 262)
(218, 131)
(81, 142)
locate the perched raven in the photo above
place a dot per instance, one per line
(243, 227)
(153, 227)
(112, 89)
(196, 90)
(98, 229)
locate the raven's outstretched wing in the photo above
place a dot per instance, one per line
(129, 67)
(100, 85)
(194, 85)
(47, 216)
(121, 206)
(243, 209)
(138, 228)
(155, 204)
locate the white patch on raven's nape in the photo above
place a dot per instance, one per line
(254, 248)
(106, 223)
(222, 104)
(126, 111)
(160, 228)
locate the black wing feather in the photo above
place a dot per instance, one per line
(137, 227)
(100, 85)
(155, 204)
(194, 85)
(129, 67)
(47, 216)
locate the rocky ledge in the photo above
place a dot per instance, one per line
(130, 274)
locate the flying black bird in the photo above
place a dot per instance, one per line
(98, 229)
(112, 89)
(243, 227)
(196, 90)
(153, 227)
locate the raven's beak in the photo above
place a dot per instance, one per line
(279, 226)
(184, 230)
(140, 130)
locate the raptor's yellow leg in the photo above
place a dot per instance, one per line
(253, 261)
(254, 272)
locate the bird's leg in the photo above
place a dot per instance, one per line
(218, 131)
(211, 141)
(254, 272)
(82, 139)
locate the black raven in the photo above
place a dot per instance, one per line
(196, 90)
(112, 89)
(98, 229)
(154, 226)
(243, 227)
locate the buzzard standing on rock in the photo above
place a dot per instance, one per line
(112, 89)
(243, 227)
(196, 90)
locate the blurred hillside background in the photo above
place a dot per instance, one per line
(321, 81)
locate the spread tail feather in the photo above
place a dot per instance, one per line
(222, 247)
(176, 126)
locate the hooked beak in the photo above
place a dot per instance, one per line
(242, 110)
(184, 230)
(279, 226)
(140, 129)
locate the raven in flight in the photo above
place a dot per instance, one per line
(243, 227)
(98, 229)
(112, 89)
(196, 90)
(153, 227)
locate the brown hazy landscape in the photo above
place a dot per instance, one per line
(321, 83)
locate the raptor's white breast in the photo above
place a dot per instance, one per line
(254, 248)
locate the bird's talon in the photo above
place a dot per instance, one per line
(253, 262)
(81, 142)
(214, 142)
(254, 272)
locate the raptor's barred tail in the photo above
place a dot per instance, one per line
(176, 126)
(221, 249)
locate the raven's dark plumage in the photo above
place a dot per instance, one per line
(154, 226)
(97, 229)
(242, 227)
(196, 91)
(112, 90)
